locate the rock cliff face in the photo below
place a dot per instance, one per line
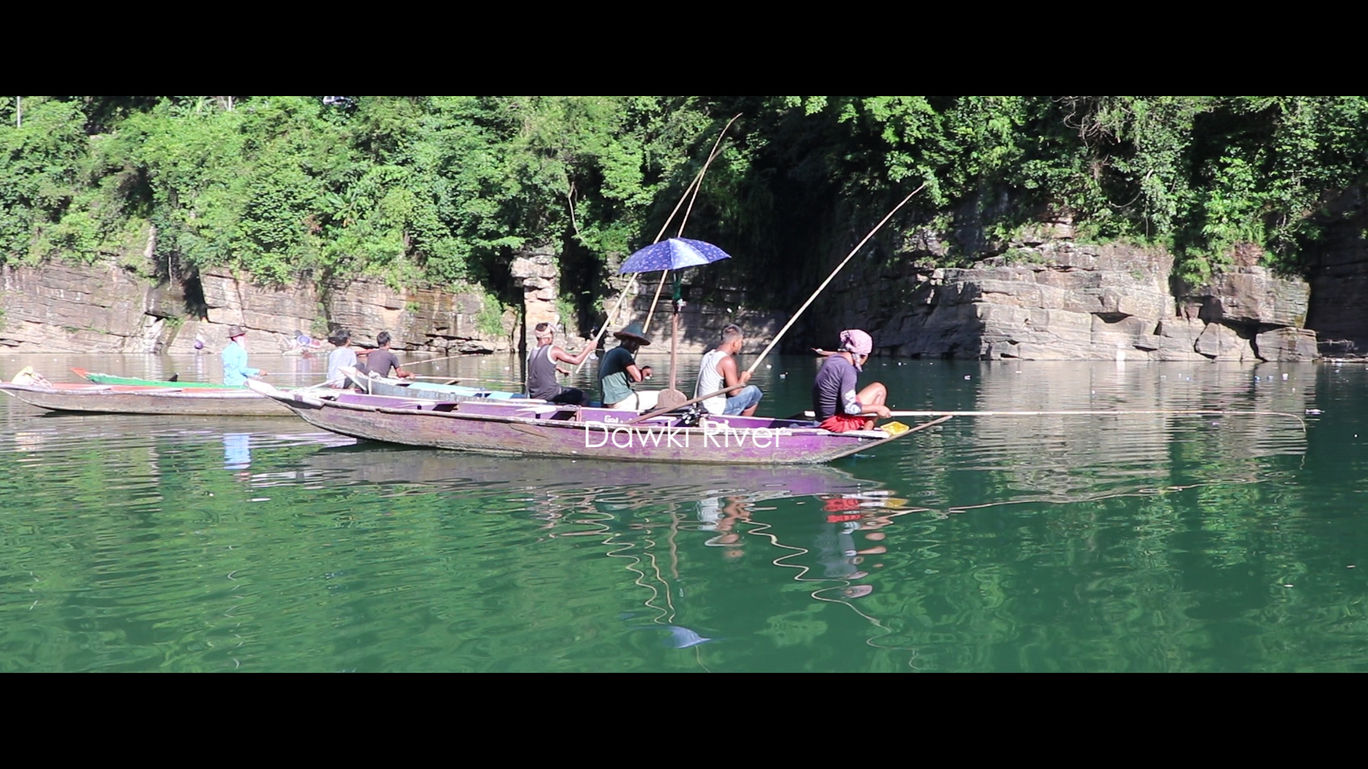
(106, 308)
(1060, 301)
(1052, 300)
(1339, 279)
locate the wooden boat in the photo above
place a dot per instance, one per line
(535, 428)
(146, 399)
(110, 379)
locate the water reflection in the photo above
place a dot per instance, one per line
(237, 451)
(1120, 541)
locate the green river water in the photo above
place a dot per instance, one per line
(1112, 542)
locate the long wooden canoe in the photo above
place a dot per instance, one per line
(110, 379)
(144, 399)
(535, 428)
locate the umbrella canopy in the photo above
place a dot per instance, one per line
(672, 254)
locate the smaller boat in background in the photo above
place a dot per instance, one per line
(142, 396)
(110, 379)
(433, 391)
(145, 399)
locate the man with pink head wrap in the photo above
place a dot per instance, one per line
(834, 399)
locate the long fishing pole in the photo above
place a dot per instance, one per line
(698, 184)
(1099, 412)
(692, 188)
(434, 360)
(788, 325)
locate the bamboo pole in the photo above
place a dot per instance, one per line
(786, 327)
(697, 185)
(692, 188)
(1099, 412)
(791, 321)
(688, 402)
(433, 360)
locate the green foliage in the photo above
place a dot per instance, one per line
(448, 190)
(1024, 256)
(40, 163)
(489, 321)
(565, 310)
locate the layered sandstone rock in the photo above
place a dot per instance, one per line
(1051, 300)
(1060, 301)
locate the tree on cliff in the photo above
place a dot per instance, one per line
(448, 189)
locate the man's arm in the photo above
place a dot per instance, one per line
(730, 377)
(558, 354)
(849, 402)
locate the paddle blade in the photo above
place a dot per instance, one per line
(670, 399)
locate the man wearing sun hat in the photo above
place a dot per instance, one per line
(834, 400)
(235, 369)
(618, 369)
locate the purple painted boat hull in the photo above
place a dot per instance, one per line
(539, 429)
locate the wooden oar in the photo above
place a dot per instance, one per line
(688, 402)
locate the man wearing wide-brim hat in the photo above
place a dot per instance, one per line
(236, 372)
(618, 370)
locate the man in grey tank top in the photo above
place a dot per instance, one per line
(542, 368)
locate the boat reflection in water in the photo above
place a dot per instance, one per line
(660, 521)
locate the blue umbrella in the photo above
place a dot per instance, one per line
(672, 254)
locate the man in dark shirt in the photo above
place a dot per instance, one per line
(382, 360)
(834, 400)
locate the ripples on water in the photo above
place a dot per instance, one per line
(1125, 541)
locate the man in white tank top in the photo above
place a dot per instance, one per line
(718, 372)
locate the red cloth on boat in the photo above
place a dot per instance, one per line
(839, 423)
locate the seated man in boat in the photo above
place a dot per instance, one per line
(27, 376)
(834, 400)
(618, 370)
(236, 372)
(718, 372)
(382, 359)
(342, 356)
(542, 368)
